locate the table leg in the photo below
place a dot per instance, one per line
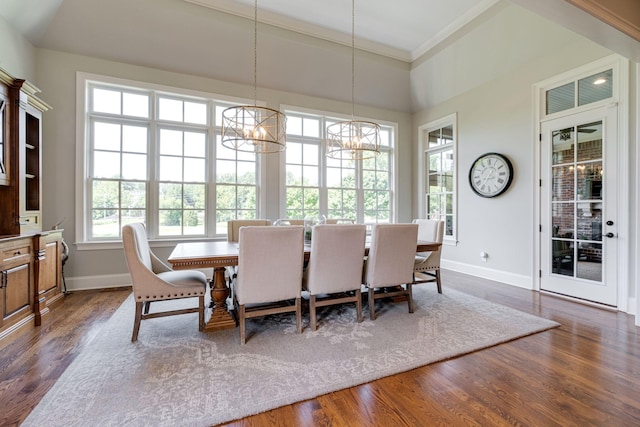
(220, 316)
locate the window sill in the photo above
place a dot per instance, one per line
(158, 243)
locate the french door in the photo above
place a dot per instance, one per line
(579, 206)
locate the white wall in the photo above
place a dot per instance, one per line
(17, 55)
(495, 113)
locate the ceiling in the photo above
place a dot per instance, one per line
(400, 29)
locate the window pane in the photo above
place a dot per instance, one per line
(105, 194)
(170, 168)
(247, 197)
(223, 152)
(311, 127)
(194, 196)
(134, 139)
(170, 196)
(195, 144)
(194, 170)
(294, 153)
(105, 224)
(135, 105)
(106, 136)
(310, 154)
(294, 175)
(225, 197)
(193, 223)
(171, 142)
(595, 88)
(246, 172)
(385, 138)
(294, 125)
(134, 166)
(225, 171)
(563, 146)
(170, 109)
(134, 195)
(311, 176)
(106, 101)
(106, 164)
(195, 112)
(170, 223)
(561, 98)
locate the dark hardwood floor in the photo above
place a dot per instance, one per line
(586, 372)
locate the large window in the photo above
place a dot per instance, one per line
(439, 171)
(150, 157)
(336, 188)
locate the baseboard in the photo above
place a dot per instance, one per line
(85, 283)
(106, 281)
(518, 280)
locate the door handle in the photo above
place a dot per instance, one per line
(610, 235)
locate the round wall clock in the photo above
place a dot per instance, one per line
(490, 175)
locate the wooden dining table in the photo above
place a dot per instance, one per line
(221, 254)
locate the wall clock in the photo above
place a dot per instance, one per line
(490, 175)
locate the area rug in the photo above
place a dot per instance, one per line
(175, 375)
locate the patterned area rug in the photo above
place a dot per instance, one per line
(174, 375)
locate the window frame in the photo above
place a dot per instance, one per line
(423, 142)
(329, 117)
(84, 154)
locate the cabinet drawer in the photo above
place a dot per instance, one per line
(17, 254)
(29, 223)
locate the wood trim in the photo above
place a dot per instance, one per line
(621, 15)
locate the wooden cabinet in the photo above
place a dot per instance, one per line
(16, 283)
(48, 271)
(20, 186)
(30, 260)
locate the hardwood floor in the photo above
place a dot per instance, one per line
(586, 372)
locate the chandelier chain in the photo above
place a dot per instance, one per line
(255, 53)
(353, 57)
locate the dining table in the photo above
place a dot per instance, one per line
(221, 254)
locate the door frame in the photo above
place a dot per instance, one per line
(620, 97)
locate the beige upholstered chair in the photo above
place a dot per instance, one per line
(334, 272)
(154, 281)
(269, 271)
(233, 235)
(233, 227)
(390, 263)
(428, 263)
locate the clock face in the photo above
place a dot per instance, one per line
(490, 175)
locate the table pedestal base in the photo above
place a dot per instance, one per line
(220, 319)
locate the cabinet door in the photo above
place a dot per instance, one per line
(15, 295)
(50, 273)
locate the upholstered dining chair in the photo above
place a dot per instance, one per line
(389, 264)
(153, 280)
(334, 273)
(428, 263)
(269, 273)
(339, 221)
(233, 235)
(233, 227)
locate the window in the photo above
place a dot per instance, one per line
(149, 156)
(316, 185)
(438, 195)
(587, 90)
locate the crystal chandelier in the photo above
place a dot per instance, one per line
(353, 139)
(249, 127)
